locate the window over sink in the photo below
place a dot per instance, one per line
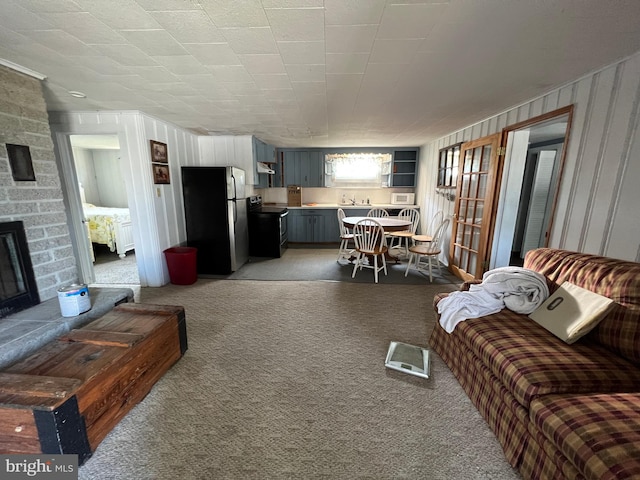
(365, 170)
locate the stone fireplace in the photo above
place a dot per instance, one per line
(18, 288)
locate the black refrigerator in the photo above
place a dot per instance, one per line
(215, 209)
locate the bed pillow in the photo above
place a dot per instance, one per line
(571, 312)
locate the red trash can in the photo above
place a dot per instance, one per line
(181, 262)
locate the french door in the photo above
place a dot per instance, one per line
(473, 211)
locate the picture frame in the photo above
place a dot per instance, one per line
(21, 163)
(161, 174)
(158, 152)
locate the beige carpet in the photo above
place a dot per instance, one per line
(286, 380)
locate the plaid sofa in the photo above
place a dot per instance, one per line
(559, 411)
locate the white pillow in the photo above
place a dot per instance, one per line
(571, 312)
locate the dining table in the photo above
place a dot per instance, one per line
(388, 224)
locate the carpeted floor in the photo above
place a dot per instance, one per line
(321, 264)
(286, 380)
(109, 268)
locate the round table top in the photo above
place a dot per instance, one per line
(390, 224)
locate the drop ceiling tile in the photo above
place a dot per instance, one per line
(350, 38)
(395, 50)
(230, 73)
(346, 62)
(47, 6)
(309, 88)
(297, 24)
(156, 74)
(62, 42)
(242, 88)
(126, 54)
(269, 81)
(193, 26)
(250, 40)
(164, 5)
(85, 27)
(102, 65)
(306, 73)
(154, 42)
(239, 13)
(119, 14)
(302, 52)
(175, 89)
(213, 53)
(181, 64)
(292, 3)
(353, 12)
(17, 18)
(409, 21)
(347, 83)
(282, 97)
(382, 73)
(263, 63)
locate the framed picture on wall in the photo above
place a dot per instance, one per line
(159, 152)
(161, 174)
(20, 161)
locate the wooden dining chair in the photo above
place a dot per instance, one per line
(377, 212)
(434, 223)
(427, 252)
(345, 238)
(404, 236)
(370, 242)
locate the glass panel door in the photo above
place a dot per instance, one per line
(474, 205)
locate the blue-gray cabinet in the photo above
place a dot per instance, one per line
(313, 226)
(404, 169)
(264, 153)
(303, 167)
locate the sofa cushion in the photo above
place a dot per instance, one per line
(618, 280)
(598, 434)
(529, 361)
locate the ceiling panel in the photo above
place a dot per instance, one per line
(314, 72)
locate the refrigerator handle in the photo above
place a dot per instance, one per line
(235, 211)
(235, 188)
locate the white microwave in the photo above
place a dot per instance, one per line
(403, 198)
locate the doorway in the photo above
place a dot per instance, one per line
(105, 209)
(530, 181)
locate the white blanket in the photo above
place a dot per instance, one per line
(518, 289)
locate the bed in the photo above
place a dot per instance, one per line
(109, 226)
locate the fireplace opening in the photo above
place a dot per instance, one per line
(18, 289)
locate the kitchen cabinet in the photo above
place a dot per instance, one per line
(264, 153)
(404, 168)
(313, 226)
(303, 167)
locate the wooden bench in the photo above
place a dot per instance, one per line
(67, 396)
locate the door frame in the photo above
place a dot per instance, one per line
(567, 110)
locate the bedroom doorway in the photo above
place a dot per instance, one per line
(530, 185)
(105, 209)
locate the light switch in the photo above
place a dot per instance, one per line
(158, 192)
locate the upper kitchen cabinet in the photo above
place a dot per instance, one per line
(264, 154)
(404, 168)
(303, 167)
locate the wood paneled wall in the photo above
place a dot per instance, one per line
(599, 199)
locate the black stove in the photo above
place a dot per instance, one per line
(267, 228)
